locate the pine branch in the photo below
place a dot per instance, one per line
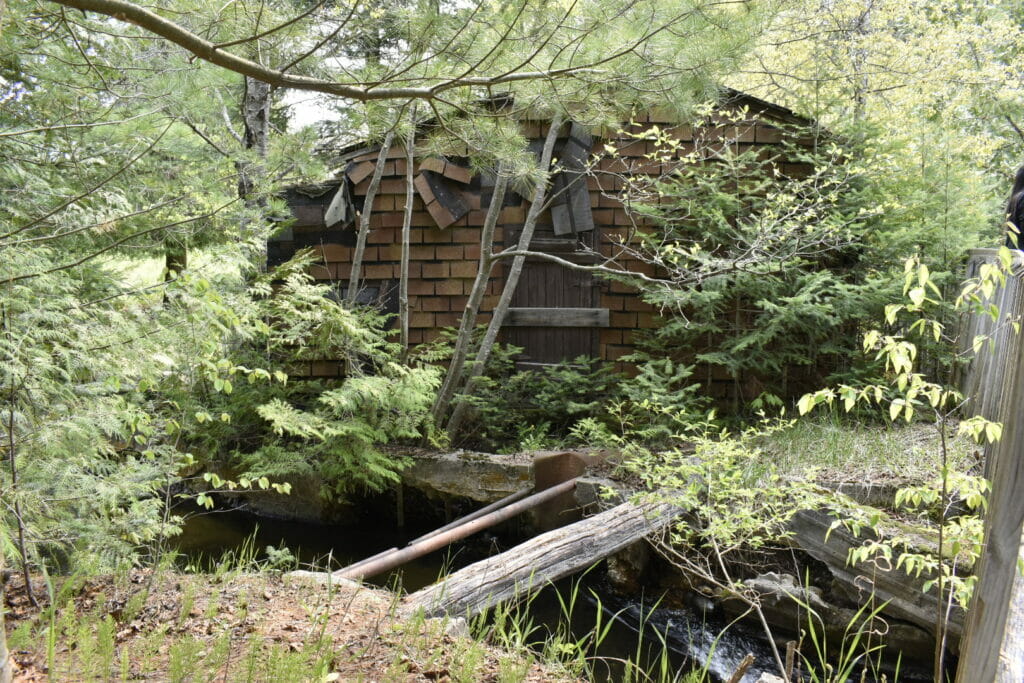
(210, 52)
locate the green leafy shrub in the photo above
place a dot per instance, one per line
(519, 409)
(779, 261)
(80, 485)
(274, 425)
(659, 398)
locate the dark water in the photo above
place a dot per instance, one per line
(207, 535)
(663, 641)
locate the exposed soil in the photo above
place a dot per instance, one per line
(230, 627)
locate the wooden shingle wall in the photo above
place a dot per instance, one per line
(444, 260)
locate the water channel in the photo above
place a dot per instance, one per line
(686, 636)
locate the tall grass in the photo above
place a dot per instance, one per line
(84, 635)
(838, 449)
(578, 649)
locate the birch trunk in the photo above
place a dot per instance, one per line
(364, 218)
(403, 276)
(511, 280)
(256, 120)
(469, 313)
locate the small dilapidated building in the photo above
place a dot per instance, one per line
(557, 313)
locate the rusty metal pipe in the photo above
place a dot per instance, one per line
(511, 498)
(360, 563)
(392, 560)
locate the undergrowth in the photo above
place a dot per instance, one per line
(235, 625)
(842, 449)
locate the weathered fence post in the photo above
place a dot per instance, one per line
(993, 645)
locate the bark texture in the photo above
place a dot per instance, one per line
(364, 218)
(6, 665)
(454, 375)
(403, 276)
(511, 279)
(532, 565)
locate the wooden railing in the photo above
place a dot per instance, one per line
(981, 379)
(993, 645)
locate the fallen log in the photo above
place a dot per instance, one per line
(902, 593)
(545, 558)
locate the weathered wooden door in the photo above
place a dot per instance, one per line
(554, 314)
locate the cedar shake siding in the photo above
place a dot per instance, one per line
(557, 313)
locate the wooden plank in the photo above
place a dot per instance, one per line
(581, 257)
(338, 210)
(545, 558)
(357, 173)
(447, 196)
(555, 245)
(993, 644)
(571, 211)
(557, 317)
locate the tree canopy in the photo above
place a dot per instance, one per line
(131, 132)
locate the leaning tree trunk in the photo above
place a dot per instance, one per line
(364, 218)
(403, 275)
(543, 559)
(466, 326)
(511, 280)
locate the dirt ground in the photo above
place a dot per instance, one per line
(237, 626)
